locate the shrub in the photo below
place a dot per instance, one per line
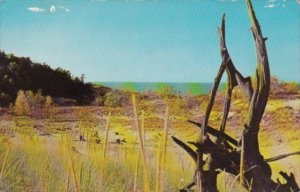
(292, 87)
(47, 106)
(117, 98)
(36, 100)
(99, 101)
(112, 100)
(166, 90)
(48, 102)
(21, 106)
(33, 103)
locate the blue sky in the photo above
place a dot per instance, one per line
(165, 41)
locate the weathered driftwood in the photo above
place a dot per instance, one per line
(224, 152)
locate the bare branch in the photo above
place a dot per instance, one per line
(279, 157)
(291, 184)
(234, 76)
(213, 95)
(189, 150)
(188, 186)
(261, 93)
(199, 168)
(216, 133)
(226, 107)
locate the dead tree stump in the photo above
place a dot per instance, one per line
(242, 157)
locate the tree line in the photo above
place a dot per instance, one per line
(20, 73)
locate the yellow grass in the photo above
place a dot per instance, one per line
(105, 144)
(141, 144)
(60, 162)
(162, 153)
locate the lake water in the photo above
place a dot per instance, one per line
(178, 88)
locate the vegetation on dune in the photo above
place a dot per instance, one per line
(29, 103)
(20, 73)
(65, 152)
(21, 106)
(282, 88)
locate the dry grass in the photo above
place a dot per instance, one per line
(161, 157)
(142, 152)
(31, 160)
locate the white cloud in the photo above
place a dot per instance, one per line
(35, 9)
(52, 8)
(298, 1)
(272, 5)
(278, 3)
(64, 8)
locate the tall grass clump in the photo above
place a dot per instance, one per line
(146, 187)
(105, 144)
(161, 157)
(136, 171)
